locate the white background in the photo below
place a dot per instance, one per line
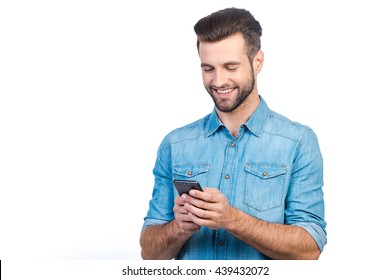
(90, 88)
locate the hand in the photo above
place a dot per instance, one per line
(185, 223)
(209, 208)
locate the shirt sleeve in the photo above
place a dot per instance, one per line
(305, 198)
(162, 201)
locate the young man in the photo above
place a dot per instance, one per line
(263, 172)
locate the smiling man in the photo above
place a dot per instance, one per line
(262, 174)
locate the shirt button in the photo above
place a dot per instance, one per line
(226, 176)
(189, 172)
(232, 144)
(220, 243)
(264, 173)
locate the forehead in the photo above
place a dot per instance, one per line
(230, 48)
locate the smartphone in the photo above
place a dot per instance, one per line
(184, 186)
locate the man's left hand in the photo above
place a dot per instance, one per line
(210, 208)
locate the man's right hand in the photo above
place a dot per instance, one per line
(164, 242)
(181, 213)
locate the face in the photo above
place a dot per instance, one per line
(227, 73)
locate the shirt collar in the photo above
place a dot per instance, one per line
(214, 123)
(259, 117)
(255, 124)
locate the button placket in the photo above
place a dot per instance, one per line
(225, 188)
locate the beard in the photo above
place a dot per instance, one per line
(243, 92)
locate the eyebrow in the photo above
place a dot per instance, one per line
(229, 63)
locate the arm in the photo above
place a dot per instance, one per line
(277, 241)
(165, 241)
(162, 241)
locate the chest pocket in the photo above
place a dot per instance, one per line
(190, 171)
(264, 185)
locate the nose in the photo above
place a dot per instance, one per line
(220, 78)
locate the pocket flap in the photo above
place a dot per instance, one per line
(265, 170)
(190, 170)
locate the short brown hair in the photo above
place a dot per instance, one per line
(224, 23)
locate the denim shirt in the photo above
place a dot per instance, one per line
(272, 170)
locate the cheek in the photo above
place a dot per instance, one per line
(244, 76)
(236, 78)
(207, 78)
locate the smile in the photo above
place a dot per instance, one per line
(224, 91)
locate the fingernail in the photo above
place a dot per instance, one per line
(192, 193)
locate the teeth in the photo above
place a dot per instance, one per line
(224, 91)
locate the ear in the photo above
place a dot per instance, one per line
(258, 61)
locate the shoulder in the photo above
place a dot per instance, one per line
(190, 131)
(302, 137)
(281, 126)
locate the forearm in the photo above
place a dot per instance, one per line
(277, 241)
(162, 242)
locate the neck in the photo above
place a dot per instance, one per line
(233, 120)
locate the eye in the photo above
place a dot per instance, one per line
(208, 69)
(232, 68)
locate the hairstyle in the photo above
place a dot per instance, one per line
(224, 23)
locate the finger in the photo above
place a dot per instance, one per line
(215, 204)
(183, 217)
(201, 222)
(209, 195)
(180, 200)
(196, 202)
(180, 209)
(200, 212)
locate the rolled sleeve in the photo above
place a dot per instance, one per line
(316, 232)
(152, 222)
(162, 201)
(305, 200)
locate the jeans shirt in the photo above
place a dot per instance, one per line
(272, 170)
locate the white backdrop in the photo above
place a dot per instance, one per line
(90, 88)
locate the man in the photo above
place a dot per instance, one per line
(263, 172)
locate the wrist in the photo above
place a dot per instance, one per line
(236, 218)
(180, 233)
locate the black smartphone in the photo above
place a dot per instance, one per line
(184, 186)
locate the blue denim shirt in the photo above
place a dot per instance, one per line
(272, 170)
